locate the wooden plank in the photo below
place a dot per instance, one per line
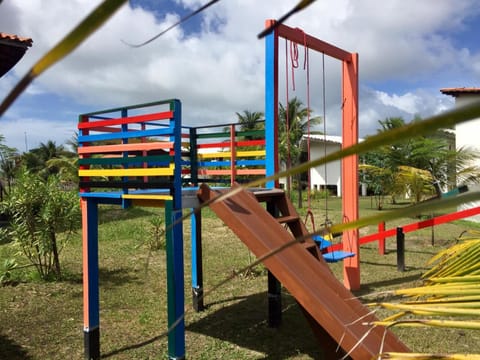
(214, 172)
(128, 134)
(126, 120)
(148, 196)
(224, 154)
(227, 144)
(438, 220)
(128, 172)
(250, 143)
(308, 279)
(130, 184)
(218, 154)
(250, 171)
(125, 147)
(120, 160)
(251, 153)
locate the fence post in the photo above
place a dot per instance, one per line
(381, 241)
(400, 249)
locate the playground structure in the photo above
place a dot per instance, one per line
(142, 155)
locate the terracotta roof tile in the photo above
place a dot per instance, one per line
(461, 90)
(12, 48)
(16, 39)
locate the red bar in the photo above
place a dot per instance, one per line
(250, 143)
(442, 219)
(127, 120)
(226, 144)
(124, 147)
(298, 36)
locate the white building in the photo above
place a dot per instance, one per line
(324, 176)
(467, 133)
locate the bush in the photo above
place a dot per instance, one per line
(39, 212)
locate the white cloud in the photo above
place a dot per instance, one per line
(27, 133)
(221, 69)
(407, 102)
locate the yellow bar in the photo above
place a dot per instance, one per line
(251, 153)
(127, 172)
(147, 196)
(221, 154)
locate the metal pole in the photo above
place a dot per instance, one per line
(400, 249)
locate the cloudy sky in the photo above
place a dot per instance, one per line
(408, 50)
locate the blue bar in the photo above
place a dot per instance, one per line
(214, 163)
(175, 283)
(124, 135)
(271, 42)
(251, 162)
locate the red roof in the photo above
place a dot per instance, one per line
(16, 39)
(458, 91)
(12, 48)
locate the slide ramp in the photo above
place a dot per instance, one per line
(330, 308)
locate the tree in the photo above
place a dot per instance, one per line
(417, 165)
(49, 159)
(8, 162)
(251, 121)
(42, 219)
(293, 124)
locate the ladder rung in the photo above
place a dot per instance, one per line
(287, 219)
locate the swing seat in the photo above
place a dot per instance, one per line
(333, 256)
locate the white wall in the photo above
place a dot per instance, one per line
(467, 134)
(317, 174)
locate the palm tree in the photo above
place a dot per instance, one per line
(67, 162)
(8, 162)
(49, 159)
(251, 121)
(446, 167)
(294, 122)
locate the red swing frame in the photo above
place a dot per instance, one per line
(350, 179)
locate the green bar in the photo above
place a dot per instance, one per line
(259, 133)
(214, 135)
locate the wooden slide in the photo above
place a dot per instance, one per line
(331, 309)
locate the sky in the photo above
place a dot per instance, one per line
(408, 50)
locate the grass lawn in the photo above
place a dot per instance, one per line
(44, 320)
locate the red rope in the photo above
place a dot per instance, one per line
(309, 216)
(309, 182)
(287, 112)
(294, 60)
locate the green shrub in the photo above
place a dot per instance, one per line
(42, 218)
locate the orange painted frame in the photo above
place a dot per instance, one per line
(351, 270)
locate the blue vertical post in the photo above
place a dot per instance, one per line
(197, 268)
(174, 235)
(175, 283)
(271, 105)
(91, 302)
